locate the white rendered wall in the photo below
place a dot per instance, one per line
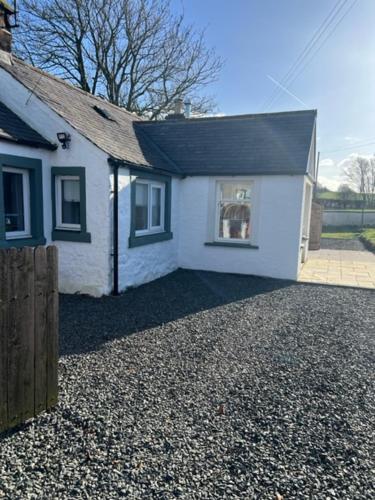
(83, 267)
(276, 220)
(145, 263)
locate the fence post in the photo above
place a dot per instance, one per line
(4, 266)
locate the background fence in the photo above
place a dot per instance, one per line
(348, 218)
(28, 333)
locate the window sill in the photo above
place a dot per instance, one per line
(148, 239)
(71, 235)
(22, 242)
(231, 244)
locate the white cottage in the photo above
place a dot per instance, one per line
(127, 200)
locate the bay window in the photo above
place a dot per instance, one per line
(233, 211)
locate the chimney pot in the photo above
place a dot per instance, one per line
(5, 27)
(178, 107)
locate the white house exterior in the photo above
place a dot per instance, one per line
(129, 201)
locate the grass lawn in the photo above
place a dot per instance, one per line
(343, 233)
(368, 236)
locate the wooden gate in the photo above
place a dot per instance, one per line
(28, 333)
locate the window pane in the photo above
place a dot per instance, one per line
(156, 206)
(234, 221)
(141, 206)
(71, 204)
(234, 191)
(13, 202)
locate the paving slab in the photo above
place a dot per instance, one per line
(340, 267)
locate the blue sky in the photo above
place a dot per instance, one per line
(262, 38)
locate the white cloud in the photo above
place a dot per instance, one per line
(326, 163)
(332, 183)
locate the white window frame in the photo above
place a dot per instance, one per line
(58, 190)
(218, 201)
(150, 228)
(26, 233)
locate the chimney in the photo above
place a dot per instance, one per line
(5, 27)
(178, 110)
(187, 108)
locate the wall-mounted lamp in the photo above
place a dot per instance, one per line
(64, 139)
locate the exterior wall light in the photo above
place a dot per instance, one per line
(64, 139)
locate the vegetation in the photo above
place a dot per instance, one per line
(136, 53)
(368, 238)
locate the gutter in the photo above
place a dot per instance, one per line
(115, 254)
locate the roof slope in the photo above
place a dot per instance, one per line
(13, 129)
(274, 143)
(115, 136)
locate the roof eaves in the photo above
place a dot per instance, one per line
(34, 144)
(118, 162)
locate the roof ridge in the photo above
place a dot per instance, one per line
(230, 117)
(73, 87)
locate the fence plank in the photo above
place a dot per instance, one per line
(21, 339)
(52, 326)
(4, 267)
(40, 328)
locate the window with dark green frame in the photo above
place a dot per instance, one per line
(150, 208)
(69, 204)
(21, 202)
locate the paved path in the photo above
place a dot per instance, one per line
(340, 267)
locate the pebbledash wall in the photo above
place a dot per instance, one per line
(83, 267)
(276, 219)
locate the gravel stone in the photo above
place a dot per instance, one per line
(341, 244)
(202, 386)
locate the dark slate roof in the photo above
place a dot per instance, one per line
(274, 143)
(115, 136)
(13, 129)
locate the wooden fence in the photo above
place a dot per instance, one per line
(28, 333)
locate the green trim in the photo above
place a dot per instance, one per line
(147, 239)
(230, 244)
(81, 236)
(34, 166)
(136, 241)
(66, 235)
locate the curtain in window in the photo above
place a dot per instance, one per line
(141, 206)
(71, 204)
(13, 202)
(234, 211)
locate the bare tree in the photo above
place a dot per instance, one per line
(360, 174)
(135, 53)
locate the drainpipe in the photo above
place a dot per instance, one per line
(115, 290)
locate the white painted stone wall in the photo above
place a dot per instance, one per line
(145, 263)
(277, 228)
(83, 267)
(348, 218)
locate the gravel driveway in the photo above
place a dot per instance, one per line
(203, 385)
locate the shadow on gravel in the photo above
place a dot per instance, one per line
(86, 323)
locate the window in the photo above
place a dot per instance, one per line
(21, 201)
(16, 187)
(149, 202)
(69, 204)
(233, 211)
(150, 208)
